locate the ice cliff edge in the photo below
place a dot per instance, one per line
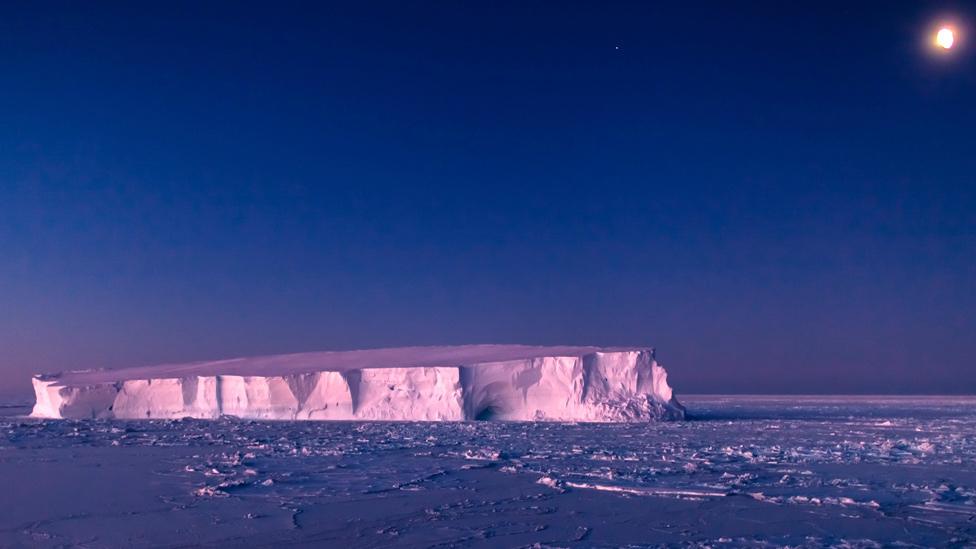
(500, 382)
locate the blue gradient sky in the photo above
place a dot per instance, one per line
(779, 197)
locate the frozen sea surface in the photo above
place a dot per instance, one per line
(743, 471)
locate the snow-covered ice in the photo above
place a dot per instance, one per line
(753, 471)
(505, 382)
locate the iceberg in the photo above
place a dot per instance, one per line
(448, 383)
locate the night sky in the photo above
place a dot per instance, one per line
(777, 196)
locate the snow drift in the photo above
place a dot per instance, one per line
(499, 382)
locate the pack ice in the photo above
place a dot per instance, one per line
(500, 382)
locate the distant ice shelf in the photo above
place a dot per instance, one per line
(455, 383)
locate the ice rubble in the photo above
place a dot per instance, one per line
(502, 382)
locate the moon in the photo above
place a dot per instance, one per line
(944, 39)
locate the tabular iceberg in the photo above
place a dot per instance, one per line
(456, 383)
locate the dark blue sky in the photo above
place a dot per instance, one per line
(778, 196)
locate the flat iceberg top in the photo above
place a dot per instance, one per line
(335, 361)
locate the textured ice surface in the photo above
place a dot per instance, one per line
(506, 382)
(744, 471)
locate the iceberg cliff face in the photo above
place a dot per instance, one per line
(499, 382)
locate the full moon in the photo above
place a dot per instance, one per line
(944, 38)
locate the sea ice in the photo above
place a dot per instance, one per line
(746, 471)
